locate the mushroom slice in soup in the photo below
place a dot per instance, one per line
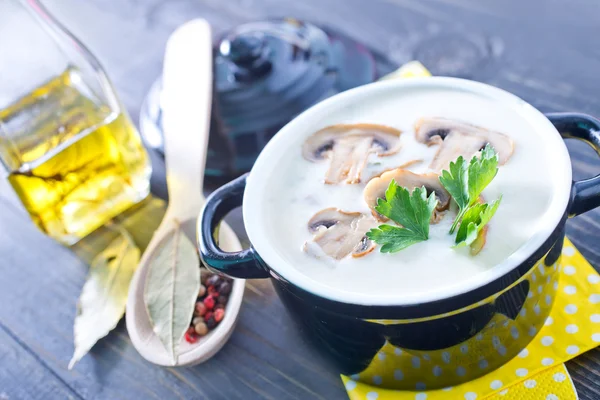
(481, 240)
(348, 146)
(405, 165)
(339, 233)
(329, 217)
(376, 188)
(457, 138)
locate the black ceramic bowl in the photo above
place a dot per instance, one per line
(429, 340)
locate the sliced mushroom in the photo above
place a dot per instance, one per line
(348, 146)
(457, 138)
(330, 216)
(364, 247)
(410, 163)
(405, 165)
(479, 242)
(481, 239)
(339, 233)
(376, 188)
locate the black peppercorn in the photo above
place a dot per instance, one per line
(213, 280)
(204, 276)
(224, 288)
(211, 323)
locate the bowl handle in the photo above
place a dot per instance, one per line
(586, 192)
(240, 264)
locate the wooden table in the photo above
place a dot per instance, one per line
(546, 51)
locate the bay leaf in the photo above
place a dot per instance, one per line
(171, 288)
(104, 295)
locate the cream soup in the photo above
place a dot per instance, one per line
(297, 192)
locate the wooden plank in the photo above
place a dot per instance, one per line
(23, 375)
(585, 372)
(114, 369)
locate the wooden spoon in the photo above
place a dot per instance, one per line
(186, 98)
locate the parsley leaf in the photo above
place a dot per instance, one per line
(481, 172)
(393, 238)
(466, 182)
(473, 222)
(412, 211)
(455, 182)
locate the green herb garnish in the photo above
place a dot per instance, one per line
(412, 211)
(465, 183)
(473, 222)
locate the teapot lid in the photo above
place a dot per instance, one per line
(266, 73)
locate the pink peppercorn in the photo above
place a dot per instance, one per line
(219, 314)
(212, 291)
(209, 302)
(190, 335)
(200, 309)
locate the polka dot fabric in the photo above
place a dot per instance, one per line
(538, 371)
(550, 384)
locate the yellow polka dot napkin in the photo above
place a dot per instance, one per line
(413, 69)
(550, 384)
(538, 372)
(553, 383)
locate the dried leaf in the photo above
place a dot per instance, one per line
(104, 295)
(171, 289)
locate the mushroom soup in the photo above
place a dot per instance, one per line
(327, 184)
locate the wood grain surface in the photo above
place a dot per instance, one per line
(545, 51)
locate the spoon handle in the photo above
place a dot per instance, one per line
(186, 98)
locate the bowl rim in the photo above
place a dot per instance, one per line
(280, 268)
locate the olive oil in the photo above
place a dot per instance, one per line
(74, 162)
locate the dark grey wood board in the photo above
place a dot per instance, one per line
(545, 51)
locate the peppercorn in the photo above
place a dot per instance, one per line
(200, 328)
(219, 314)
(191, 336)
(213, 280)
(212, 291)
(209, 310)
(209, 302)
(204, 276)
(199, 309)
(211, 323)
(224, 288)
